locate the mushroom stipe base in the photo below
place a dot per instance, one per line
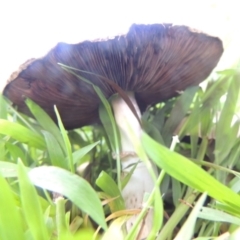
(141, 181)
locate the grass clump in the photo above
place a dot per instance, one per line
(65, 185)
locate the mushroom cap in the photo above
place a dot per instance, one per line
(153, 61)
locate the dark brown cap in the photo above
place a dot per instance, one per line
(153, 61)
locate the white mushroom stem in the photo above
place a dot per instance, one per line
(141, 181)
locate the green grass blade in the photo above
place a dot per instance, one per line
(187, 230)
(159, 118)
(11, 226)
(158, 208)
(189, 173)
(152, 131)
(2, 149)
(62, 228)
(80, 153)
(3, 107)
(178, 113)
(216, 89)
(8, 169)
(16, 152)
(218, 216)
(31, 206)
(223, 128)
(108, 185)
(66, 141)
(126, 178)
(22, 134)
(73, 187)
(106, 119)
(45, 121)
(169, 228)
(54, 150)
(177, 191)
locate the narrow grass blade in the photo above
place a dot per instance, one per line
(108, 122)
(3, 107)
(55, 151)
(62, 228)
(107, 118)
(80, 153)
(66, 140)
(31, 206)
(187, 230)
(16, 152)
(158, 209)
(216, 89)
(189, 173)
(224, 133)
(45, 121)
(11, 226)
(22, 134)
(159, 117)
(126, 178)
(215, 215)
(2, 150)
(177, 191)
(169, 227)
(178, 113)
(73, 187)
(108, 185)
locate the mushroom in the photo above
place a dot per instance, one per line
(151, 63)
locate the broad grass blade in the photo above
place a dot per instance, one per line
(108, 185)
(11, 226)
(31, 206)
(21, 134)
(189, 173)
(73, 187)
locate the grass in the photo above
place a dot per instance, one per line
(196, 193)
